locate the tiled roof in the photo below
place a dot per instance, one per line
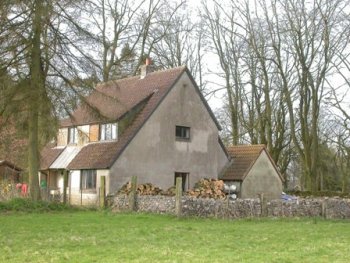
(243, 158)
(161, 82)
(126, 94)
(48, 155)
(112, 99)
(97, 155)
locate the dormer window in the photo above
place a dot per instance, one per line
(108, 131)
(72, 135)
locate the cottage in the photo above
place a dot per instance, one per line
(156, 126)
(9, 172)
(253, 172)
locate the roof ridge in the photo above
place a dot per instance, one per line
(246, 145)
(115, 81)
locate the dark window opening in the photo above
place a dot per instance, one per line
(88, 179)
(182, 132)
(185, 180)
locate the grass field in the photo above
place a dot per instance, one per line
(92, 236)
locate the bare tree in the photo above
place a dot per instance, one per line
(226, 46)
(182, 43)
(123, 33)
(257, 114)
(278, 59)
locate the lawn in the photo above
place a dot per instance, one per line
(92, 236)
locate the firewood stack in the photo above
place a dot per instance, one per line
(142, 189)
(170, 192)
(204, 188)
(208, 188)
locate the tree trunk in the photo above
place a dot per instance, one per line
(33, 155)
(36, 86)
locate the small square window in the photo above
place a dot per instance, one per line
(182, 133)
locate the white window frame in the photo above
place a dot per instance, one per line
(88, 177)
(111, 128)
(72, 139)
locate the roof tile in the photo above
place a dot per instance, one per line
(48, 155)
(112, 99)
(154, 86)
(244, 157)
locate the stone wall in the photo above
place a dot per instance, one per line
(240, 208)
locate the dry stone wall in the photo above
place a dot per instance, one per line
(240, 208)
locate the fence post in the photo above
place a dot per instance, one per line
(132, 194)
(178, 197)
(102, 191)
(263, 204)
(65, 184)
(324, 208)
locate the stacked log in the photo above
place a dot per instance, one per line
(142, 189)
(208, 188)
(204, 188)
(170, 192)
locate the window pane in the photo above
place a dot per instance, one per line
(182, 132)
(109, 131)
(187, 133)
(72, 135)
(88, 179)
(178, 131)
(114, 131)
(103, 132)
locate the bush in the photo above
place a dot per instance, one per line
(8, 190)
(27, 205)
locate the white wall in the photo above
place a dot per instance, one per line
(75, 181)
(88, 198)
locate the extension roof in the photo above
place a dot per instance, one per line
(243, 159)
(113, 100)
(48, 155)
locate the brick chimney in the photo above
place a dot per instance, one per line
(147, 68)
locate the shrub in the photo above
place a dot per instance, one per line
(8, 190)
(27, 205)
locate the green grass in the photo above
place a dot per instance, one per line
(92, 236)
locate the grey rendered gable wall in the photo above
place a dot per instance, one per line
(262, 178)
(154, 155)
